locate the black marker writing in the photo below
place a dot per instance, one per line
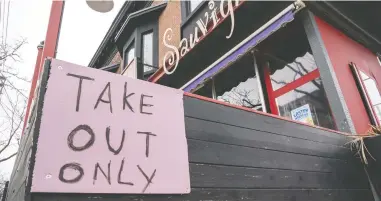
(149, 179)
(108, 176)
(70, 138)
(108, 142)
(120, 175)
(100, 98)
(74, 166)
(81, 78)
(142, 104)
(148, 134)
(125, 98)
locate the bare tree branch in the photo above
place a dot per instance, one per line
(11, 51)
(12, 99)
(8, 157)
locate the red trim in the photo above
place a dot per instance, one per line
(49, 50)
(33, 85)
(260, 113)
(297, 83)
(270, 92)
(160, 72)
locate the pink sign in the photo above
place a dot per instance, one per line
(106, 133)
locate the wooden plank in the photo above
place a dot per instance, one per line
(224, 154)
(225, 195)
(218, 132)
(219, 113)
(373, 145)
(218, 176)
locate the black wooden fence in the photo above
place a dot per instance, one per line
(374, 167)
(241, 155)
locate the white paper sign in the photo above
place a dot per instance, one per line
(302, 114)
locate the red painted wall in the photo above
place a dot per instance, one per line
(342, 50)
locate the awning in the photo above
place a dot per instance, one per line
(279, 21)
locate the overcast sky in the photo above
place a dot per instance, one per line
(81, 33)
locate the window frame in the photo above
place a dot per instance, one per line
(131, 41)
(153, 52)
(186, 12)
(258, 78)
(136, 37)
(270, 105)
(364, 94)
(131, 47)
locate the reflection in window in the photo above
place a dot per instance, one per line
(147, 51)
(130, 54)
(237, 85)
(289, 72)
(373, 94)
(306, 101)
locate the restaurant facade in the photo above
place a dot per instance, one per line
(288, 56)
(274, 91)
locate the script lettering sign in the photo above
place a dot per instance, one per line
(214, 16)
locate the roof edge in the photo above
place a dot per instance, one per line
(139, 13)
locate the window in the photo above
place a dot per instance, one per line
(374, 95)
(279, 76)
(293, 83)
(307, 104)
(142, 45)
(189, 6)
(147, 52)
(129, 54)
(237, 85)
(370, 93)
(289, 72)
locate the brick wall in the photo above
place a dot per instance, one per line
(170, 18)
(116, 59)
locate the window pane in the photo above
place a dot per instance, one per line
(194, 4)
(288, 54)
(289, 72)
(238, 84)
(148, 51)
(363, 75)
(372, 90)
(130, 54)
(308, 104)
(373, 94)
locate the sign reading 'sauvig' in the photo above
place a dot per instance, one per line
(106, 133)
(225, 9)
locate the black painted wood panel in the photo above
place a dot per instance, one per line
(374, 147)
(224, 133)
(209, 194)
(217, 176)
(224, 154)
(231, 116)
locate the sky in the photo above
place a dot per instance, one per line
(82, 31)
